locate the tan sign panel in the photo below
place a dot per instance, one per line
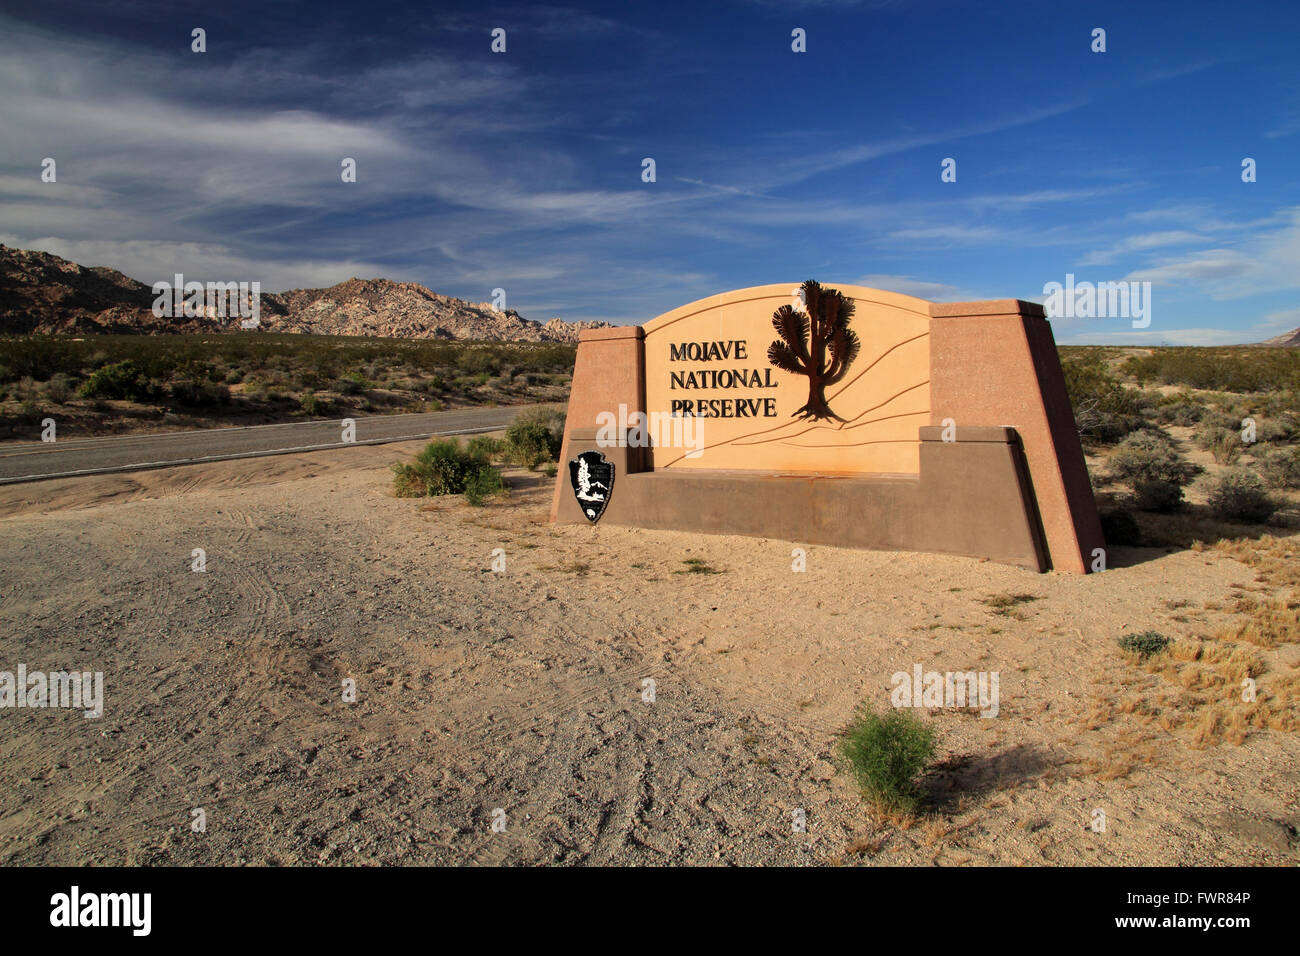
(826, 393)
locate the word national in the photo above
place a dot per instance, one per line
(103, 909)
(933, 689)
(215, 300)
(56, 689)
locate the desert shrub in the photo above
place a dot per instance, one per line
(1180, 409)
(58, 389)
(1239, 495)
(198, 393)
(479, 362)
(313, 404)
(1150, 464)
(534, 437)
(1144, 645)
(483, 483)
(1280, 467)
(1229, 369)
(484, 446)
(1120, 528)
(1223, 444)
(1273, 431)
(442, 467)
(125, 380)
(1104, 410)
(885, 754)
(353, 383)
(234, 376)
(306, 380)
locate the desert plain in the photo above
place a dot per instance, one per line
(523, 690)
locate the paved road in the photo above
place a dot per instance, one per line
(32, 461)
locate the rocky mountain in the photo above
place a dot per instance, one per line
(1285, 340)
(44, 293)
(405, 310)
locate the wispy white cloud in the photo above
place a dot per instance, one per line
(1265, 261)
(1140, 243)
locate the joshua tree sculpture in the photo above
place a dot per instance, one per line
(817, 343)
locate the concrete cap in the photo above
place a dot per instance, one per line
(617, 332)
(1003, 434)
(988, 307)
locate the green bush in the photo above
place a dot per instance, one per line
(534, 437)
(442, 467)
(483, 483)
(1150, 464)
(1144, 645)
(1240, 495)
(1104, 410)
(124, 380)
(484, 446)
(313, 404)
(886, 754)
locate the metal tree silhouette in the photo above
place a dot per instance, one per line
(817, 343)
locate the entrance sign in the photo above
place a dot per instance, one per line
(741, 368)
(817, 413)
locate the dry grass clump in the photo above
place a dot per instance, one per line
(1268, 623)
(1004, 605)
(1121, 756)
(1275, 560)
(1212, 691)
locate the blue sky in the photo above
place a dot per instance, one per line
(522, 170)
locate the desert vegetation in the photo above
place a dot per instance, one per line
(885, 754)
(447, 467)
(111, 384)
(1198, 448)
(1185, 438)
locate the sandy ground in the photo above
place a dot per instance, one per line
(522, 690)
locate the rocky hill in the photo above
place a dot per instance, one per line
(1285, 340)
(43, 293)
